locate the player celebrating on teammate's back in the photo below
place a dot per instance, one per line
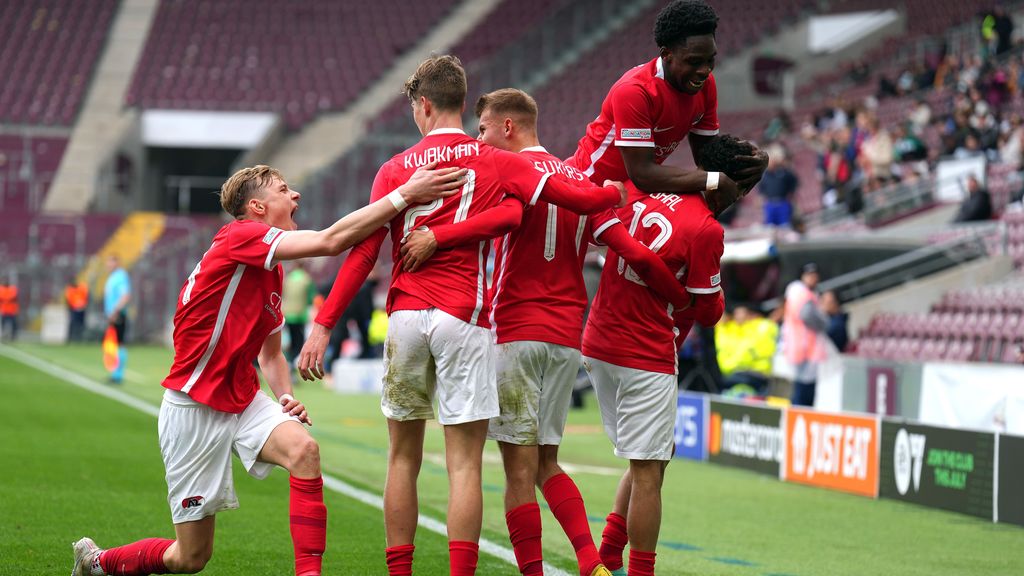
(439, 342)
(652, 107)
(631, 341)
(229, 312)
(538, 300)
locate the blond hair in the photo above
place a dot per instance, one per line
(440, 79)
(244, 185)
(509, 102)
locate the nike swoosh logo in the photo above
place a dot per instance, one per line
(656, 130)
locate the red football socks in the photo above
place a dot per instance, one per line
(136, 559)
(566, 504)
(400, 559)
(613, 540)
(462, 557)
(524, 529)
(641, 563)
(308, 522)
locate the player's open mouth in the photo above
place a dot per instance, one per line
(695, 84)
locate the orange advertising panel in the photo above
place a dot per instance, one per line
(832, 451)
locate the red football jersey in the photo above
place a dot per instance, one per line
(642, 109)
(629, 325)
(227, 308)
(538, 291)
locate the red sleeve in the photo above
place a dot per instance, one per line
(651, 269)
(600, 222)
(631, 107)
(253, 243)
(488, 224)
(359, 263)
(350, 278)
(708, 123)
(528, 184)
(708, 308)
(705, 259)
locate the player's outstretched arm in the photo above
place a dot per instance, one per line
(651, 269)
(651, 177)
(419, 245)
(425, 185)
(278, 375)
(582, 200)
(351, 275)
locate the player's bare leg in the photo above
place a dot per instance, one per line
(192, 548)
(522, 514)
(464, 447)
(401, 503)
(644, 516)
(566, 503)
(614, 536)
(291, 447)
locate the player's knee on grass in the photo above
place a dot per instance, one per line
(190, 562)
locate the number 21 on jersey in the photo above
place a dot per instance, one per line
(424, 210)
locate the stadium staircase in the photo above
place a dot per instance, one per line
(102, 121)
(332, 135)
(129, 242)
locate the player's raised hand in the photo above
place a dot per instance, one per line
(622, 191)
(754, 167)
(429, 182)
(417, 247)
(311, 358)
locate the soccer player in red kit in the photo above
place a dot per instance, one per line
(538, 300)
(229, 312)
(653, 107)
(630, 346)
(439, 344)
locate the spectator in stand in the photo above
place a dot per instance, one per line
(978, 204)
(745, 343)
(77, 297)
(1002, 25)
(835, 167)
(299, 292)
(777, 186)
(1011, 142)
(9, 310)
(876, 154)
(920, 116)
(803, 326)
(837, 320)
(907, 147)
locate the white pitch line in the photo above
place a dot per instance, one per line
(331, 482)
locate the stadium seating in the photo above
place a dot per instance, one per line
(27, 167)
(983, 324)
(262, 55)
(47, 55)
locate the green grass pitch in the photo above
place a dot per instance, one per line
(77, 463)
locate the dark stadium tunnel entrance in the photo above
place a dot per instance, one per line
(188, 180)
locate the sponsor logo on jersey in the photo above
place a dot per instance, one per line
(275, 305)
(268, 239)
(192, 502)
(697, 119)
(635, 134)
(665, 129)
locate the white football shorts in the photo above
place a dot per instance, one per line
(535, 381)
(196, 442)
(638, 409)
(431, 354)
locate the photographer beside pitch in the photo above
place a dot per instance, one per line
(229, 312)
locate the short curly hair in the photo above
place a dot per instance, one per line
(719, 155)
(682, 19)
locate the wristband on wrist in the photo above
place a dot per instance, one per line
(397, 201)
(712, 181)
